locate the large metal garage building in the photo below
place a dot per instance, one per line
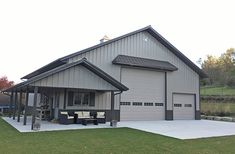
(137, 76)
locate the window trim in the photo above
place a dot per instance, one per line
(73, 93)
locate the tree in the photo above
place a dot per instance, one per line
(4, 83)
(227, 66)
(221, 70)
(211, 67)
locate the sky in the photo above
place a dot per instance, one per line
(34, 33)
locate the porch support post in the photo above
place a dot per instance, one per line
(112, 108)
(11, 101)
(19, 107)
(26, 106)
(15, 104)
(65, 97)
(34, 106)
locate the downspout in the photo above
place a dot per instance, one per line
(112, 108)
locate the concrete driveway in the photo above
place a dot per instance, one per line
(183, 129)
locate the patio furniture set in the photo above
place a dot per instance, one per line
(81, 117)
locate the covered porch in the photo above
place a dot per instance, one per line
(72, 87)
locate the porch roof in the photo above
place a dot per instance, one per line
(84, 63)
(144, 63)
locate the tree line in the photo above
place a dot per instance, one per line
(220, 70)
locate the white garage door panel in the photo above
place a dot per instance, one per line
(144, 86)
(184, 107)
(142, 113)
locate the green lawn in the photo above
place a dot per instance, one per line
(119, 140)
(217, 91)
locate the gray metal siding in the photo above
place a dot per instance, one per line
(135, 45)
(75, 77)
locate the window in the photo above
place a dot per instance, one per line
(125, 103)
(86, 98)
(187, 105)
(148, 104)
(81, 99)
(77, 98)
(137, 103)
(177, 105)
(159, 104)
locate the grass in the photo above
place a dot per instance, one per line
(119, 140)
(212, 108)
(217, 91)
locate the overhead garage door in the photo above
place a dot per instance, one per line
(145, 98)
(184, 106)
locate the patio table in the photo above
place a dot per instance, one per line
(89, 120)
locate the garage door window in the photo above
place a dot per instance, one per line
(148, 104)
(187, 105)
(158, 104)
(137, 103)
(177, 105)
(125, 103)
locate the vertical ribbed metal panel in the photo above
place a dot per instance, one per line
(76, 77)
(143, 45)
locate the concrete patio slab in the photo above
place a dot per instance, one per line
(49, 126)
(180, 129)
(184, 129)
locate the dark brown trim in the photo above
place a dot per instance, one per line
(195, 106)
(169, 114)
(65, 98)
(166, 115)
(11, 101)
(15, 105)
(45, 68)
(199, 96)
(19, 107)
(26, 107)
(112, 106)
(197, 115)
(34, 107)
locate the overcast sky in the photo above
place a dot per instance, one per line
(34, 33)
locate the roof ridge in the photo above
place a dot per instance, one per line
(151, 31)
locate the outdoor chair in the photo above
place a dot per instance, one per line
(65, 118)
(80, 115)
(100, 116)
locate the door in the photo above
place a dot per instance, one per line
(184, 106)
(145, 98)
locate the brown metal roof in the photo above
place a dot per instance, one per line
(144, 63)
(84, 62)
